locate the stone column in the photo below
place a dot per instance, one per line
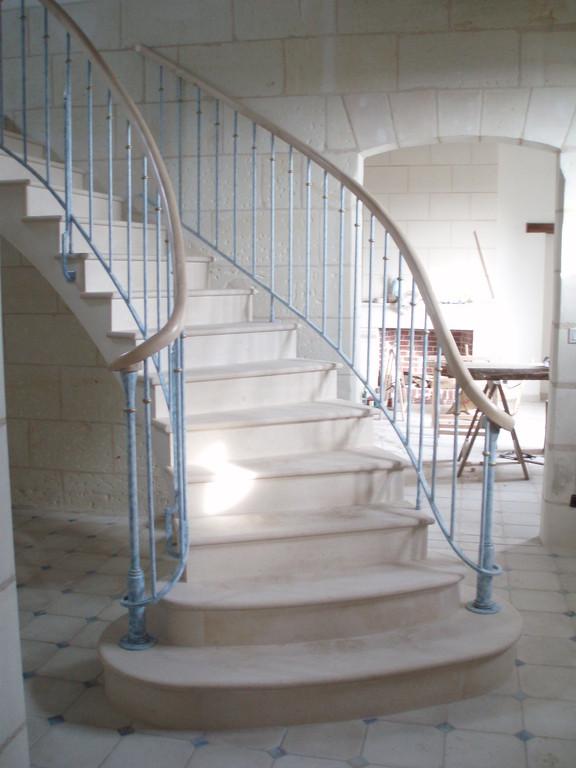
(558, 527)
(13, 735)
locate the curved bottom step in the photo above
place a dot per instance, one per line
(322, 681)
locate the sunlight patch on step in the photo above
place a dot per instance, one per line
(231, 483)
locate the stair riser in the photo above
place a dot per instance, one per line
(295, 624)
(101, 237)
(96, 278)
(314, 554)
(199, 309)
(219, 395)
(40, 202)
(236, 491)
(245, 707)
(249, 442)
(12, 169)
(212, 349)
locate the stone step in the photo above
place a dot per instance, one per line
(302, 607)
(239, 342)
(282, 684)
(321, 540)
(228, 305)
(41, 202)
(253, 384)
(96, 279)
(284, 429)
(12, 169)
(332, 478)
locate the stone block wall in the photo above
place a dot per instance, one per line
(13, 736)
(65, 409)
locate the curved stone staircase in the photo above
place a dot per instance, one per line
(308, 595)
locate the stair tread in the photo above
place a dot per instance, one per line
(37, 184)
(457, 640)
(216, 329)
(245, 327)
(317, 463)
(220, 529)
(274, 414)
(197, 292)
(384, 580)
(135, 257)
(259, 368)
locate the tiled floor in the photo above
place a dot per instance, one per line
(70, 574)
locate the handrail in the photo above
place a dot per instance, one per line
(175, 323)
(454, 359)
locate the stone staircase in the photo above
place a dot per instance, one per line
(308, 594)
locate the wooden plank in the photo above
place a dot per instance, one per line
(546, 229)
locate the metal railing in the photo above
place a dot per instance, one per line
(63, 112)
(322, 248)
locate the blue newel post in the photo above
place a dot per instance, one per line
(484, 602)
(137, 637)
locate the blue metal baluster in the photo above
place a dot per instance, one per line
(47, 101)
(308, 235)
(422, 412)
(137, 637)
(180, 133)
(90, 150)
(182, 491)
(454, 461)
(397, 361)
(168, 267)
(484, 602)
(341, 211)
(177, 416)
(147, 401)
(1, 77)
(357, 279)
(158, 211)
(410, 383)
(198, 158)
(272, 224)
(254, 182)
(217, 172)
(109, 118)
(383, 340)
(67, 236)
(160, 108)
(23, 79)
(436, 422)
(235, 191)
(370, 297)
(145, 240)
(129, 208)
(290, 226)
(324, 253)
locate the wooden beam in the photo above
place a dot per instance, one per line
(547, 229)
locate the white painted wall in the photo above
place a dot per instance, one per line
(441, 195)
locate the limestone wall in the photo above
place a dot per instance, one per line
(13, 736)
(65, 410)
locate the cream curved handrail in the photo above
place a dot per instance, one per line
(450, 350)
(175, 323)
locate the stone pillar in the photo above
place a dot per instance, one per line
(558, 527)
(13, 735)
